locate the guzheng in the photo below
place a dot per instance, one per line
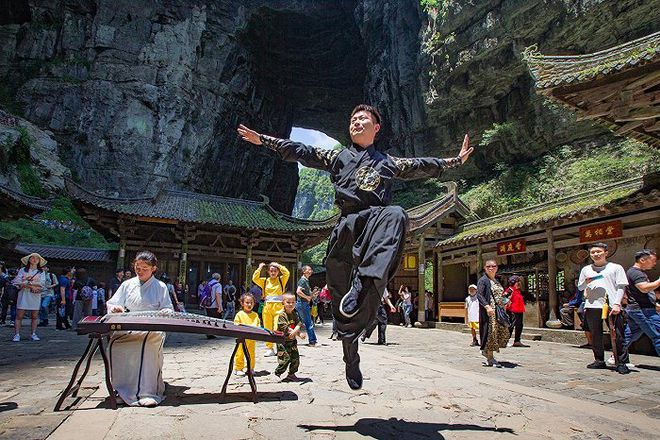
(174, 322)
(97, 328)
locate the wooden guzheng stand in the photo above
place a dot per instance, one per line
(97, 328)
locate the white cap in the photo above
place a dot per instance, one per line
(472, 286)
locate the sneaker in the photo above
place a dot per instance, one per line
(622, 369)
(239, 373)
(597, 365)
(312, 344)
(493, 363)
(352, 361)
(34, 337)
(148, 402)
(409, 326)
(349, 304)
(16, 338)
(270, 353)
(610, 361)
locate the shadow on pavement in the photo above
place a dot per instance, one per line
(647, 367)
(206, 398)
(393, 428)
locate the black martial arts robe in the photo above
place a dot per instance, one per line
(365, 246)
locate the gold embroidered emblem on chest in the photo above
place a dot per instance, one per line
(367, 178)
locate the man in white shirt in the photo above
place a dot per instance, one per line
(603, 284)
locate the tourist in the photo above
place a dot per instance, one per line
(568, 309)
(181, 292)
(30, 280)
(82, 304)
(472, 313)
(101, 299)
(115, 282)
(603, 284)
(642, 309)
(406, 304)
(366, 245)
(127, 275)
(246, 316)
(46, 296)
(516, 309)
(493, 333)
(200, 291)
(288, 322)
(428, 306)
(317, 315)
(303, 304)
(381, 320)
(9, 298)
(258, 304)
(211, 299)
(272, 287)
(63, 300)
(229, 298)
(95, 300)
(136, 357)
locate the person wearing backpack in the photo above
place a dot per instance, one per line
(273, 289)
(211, 299)
(83, 293)
(46, 296)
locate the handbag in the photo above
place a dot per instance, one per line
(500, 314)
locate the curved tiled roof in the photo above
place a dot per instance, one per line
(201, 208)
(15, 202)
(536, 217)
(551, 71)
(64, 252)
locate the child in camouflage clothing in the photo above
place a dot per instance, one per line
(289, 323)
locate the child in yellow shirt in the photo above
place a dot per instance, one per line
(246, 317)
(273, 288)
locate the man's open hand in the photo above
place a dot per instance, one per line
(248, 134)
(466, 150)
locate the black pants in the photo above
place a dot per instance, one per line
(380, 322)
(516, 325)
(595, 323)
(367, 245)
(5, 308)
(61, 323)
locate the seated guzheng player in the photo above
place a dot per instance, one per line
(136, 358)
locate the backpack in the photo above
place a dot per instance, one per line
(86, 293)
(207, 296)
(11, 294)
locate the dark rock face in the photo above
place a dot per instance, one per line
(141, 95)
(477, 78)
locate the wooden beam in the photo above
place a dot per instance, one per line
(628, 127)
(640, 115)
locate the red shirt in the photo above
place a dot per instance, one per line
(517, 303)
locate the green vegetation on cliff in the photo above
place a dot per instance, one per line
(60, 225)
(565, 171)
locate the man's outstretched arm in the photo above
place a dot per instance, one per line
(425, 167)
(291, 151)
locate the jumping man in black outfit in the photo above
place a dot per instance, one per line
(365, 246)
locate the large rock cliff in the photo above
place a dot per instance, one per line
(141, 95)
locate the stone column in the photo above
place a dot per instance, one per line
(183, 263)
(121, 255)
(553, 300)
(421, 262)
(248, 267)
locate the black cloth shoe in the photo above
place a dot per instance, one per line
(42, 324)
(622, 369)
(350, 303)
(474, 343)
(352, 360)
(597, 365)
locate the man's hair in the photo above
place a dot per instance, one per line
(644, 253)
(288, 295)
(216, 276)
(305, 267)
(598, 245)
(369, 109)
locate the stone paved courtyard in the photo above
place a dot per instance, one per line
(426, 384)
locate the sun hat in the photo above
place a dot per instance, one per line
(26, 259)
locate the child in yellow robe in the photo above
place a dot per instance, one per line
(246, 317)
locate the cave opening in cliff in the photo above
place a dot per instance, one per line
(309, 66)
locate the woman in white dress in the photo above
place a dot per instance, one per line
(136, 357)
(30, 280)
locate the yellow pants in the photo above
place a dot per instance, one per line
(269, 316)
(239, 360)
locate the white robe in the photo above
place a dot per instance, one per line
(136, 358)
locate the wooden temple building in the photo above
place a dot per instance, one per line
(195, 235)
(618, 88)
